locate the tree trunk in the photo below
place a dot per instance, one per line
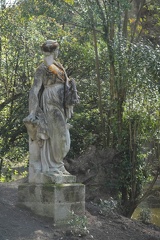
(100, 107)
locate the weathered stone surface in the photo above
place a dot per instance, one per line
(51, 178)
(51, 190)
(51, 101)
(53, 200)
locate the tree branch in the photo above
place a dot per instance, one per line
(148, 191)
(2, 105)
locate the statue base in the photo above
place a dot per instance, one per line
(51, 178)
(57, 201)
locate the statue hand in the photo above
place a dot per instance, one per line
(75, 97)
(31, 118)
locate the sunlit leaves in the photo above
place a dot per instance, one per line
(136, 74)
(69, 1)
(21, 38)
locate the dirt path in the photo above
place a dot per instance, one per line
(20, 224)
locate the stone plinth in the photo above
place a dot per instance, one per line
(51, 178)
(53, 200)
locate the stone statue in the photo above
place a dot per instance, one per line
(51, 101)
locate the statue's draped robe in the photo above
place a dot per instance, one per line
(52, 127)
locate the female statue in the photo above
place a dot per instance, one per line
(51, 102)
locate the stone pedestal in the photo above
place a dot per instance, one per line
(53, 200)
(51, 178)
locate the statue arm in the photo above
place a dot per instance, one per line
(33, 94)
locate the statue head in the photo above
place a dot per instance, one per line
(50, 47)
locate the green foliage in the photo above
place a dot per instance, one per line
(107, 206)
(20, 55)
(78, 225)
(13, 168)
(119, 88)
(145, 215)
(69, 1)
